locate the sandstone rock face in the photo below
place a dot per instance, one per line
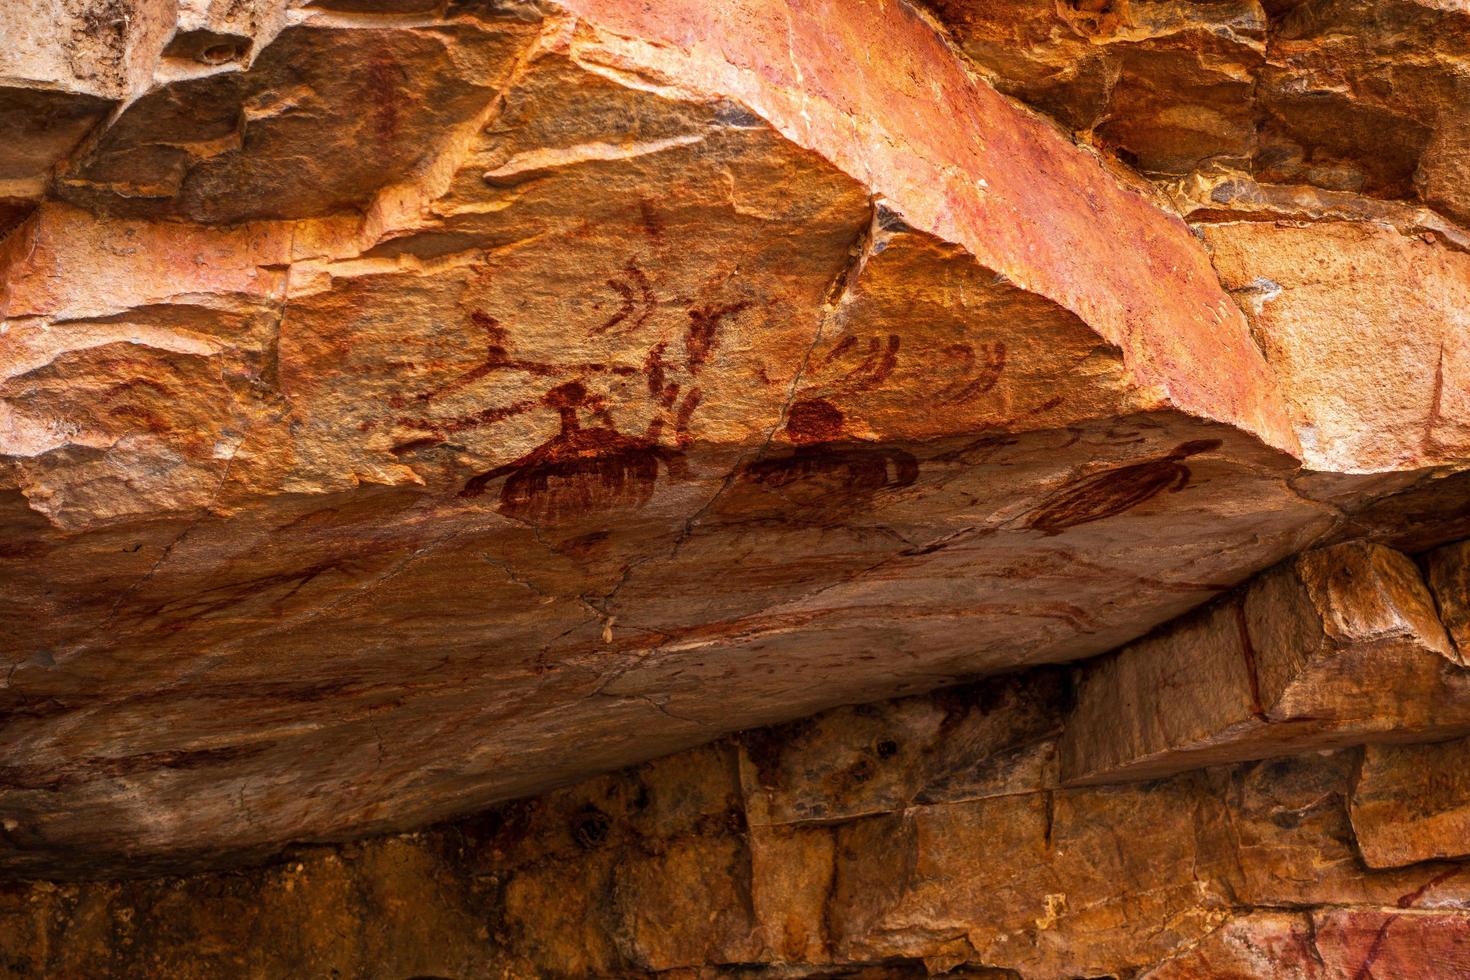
(1341, 645)
(1449, 578)
(64, 67)
(408, 406)
(1328, 943)
(1352, 95)
(1412, 803)
(843, 845)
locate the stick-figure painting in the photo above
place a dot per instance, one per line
(591, 465)
(580, 470)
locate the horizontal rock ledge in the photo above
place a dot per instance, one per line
(1338, 646)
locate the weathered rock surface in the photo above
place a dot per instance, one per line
(1340, 645)
(1329, 943)
(1363, 400)
(1412, 803)
(1351, 95)
(676, 868)
(1449, 579)
(63, 68)
(407, 406)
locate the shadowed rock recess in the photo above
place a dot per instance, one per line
(997, 472)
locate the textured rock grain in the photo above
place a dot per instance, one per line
(669, 869)
(1341, 645)
(406, 406)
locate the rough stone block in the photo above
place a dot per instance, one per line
(1391, 387)
(1045, 883)
(995, 738)
(1296, 847)
(1449, 579)
(1411, 803)
(1340, 645)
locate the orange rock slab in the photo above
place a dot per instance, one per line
(1411, 803)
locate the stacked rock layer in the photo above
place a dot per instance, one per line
(410, 405)
(999, 829)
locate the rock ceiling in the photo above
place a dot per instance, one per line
(407, 405)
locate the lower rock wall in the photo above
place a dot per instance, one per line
(999, 829)
(848, 845)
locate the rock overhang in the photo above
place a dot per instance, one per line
(677, 372)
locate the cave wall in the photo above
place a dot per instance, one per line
(414, 413)
(994, 829)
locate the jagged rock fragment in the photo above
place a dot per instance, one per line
(1448, 571)
(63, 67)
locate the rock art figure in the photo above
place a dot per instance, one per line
(1116, 490)
(580, 470)
(413, 407)
(830, 474)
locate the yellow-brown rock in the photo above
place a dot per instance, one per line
(1391, 389)
(1036, 881)
(969, 743)
(1412, 803)
(409, 406)
(63, 68)
(1448, 574)
(1296, 848)
(1339, 646)
(663, 870)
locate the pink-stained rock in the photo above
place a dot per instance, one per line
(1335, 943)
(1260, 944)
(1016, 191)
(1374, 943)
